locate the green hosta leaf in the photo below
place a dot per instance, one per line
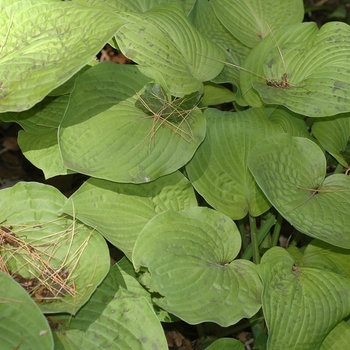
(129, 286)
(205, 20)
(301, 304)
(309, 75)
(250, 20)
(219, 169)
(103, 133)
(170, 49)
(338, 338)
(215, 94)
(113, 318)
(120, 211)
(338, 256)
(256, 68)
(226, 344)
(22, 325)
(290, 122)
(205, 283)
(61, 259)
(44, 43)
(334, 134)
(38, 140)
(291, 171)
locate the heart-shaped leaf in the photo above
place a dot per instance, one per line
(250, 20)
(301, 304)
(44, 43)
(219, 170)
(307, 72)
(177, 55)
(113, 318)
(190, 259)
(226, 344)
(22, 325)
(103, 133)
(120, 211)
(57, 259)
(291, 171)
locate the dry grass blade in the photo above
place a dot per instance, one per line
(34, 264)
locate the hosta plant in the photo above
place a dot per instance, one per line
(195, 197)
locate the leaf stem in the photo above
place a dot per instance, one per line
(261, 234)
(277, 230)
(255, 242)
(240, 225)
(338, 169)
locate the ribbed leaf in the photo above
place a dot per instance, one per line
(219, 169)
(334, 134)
(170, 49)
(251, 20)
(44, 43)
(189, 256)
(113, 318)
(120, 211)
(105, 135)
(256, 68)
(291, 172)
(57, 259)
(22, 325)
(308, 74)
(338, 338)
(205, 20)
(301, 303)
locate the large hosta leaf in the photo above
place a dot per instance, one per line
(334, 134)
(219, 169)
(291, 171)
(56, 258)
(205, 20)
(251, 20)
(113, 318)
(171, 49)
(301, 303)
(44, 43)
(190, 260)
(22, 325)
(104, 134)
(338, 338)
(120, 211)
(309, 74)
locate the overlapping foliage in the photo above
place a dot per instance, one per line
(151, 145)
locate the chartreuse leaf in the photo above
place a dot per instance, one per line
(120, 211)
(226, 344)
(61, 259)
(257, 69)
(250, 20)
(307, 74)
(104, 134)
(190, 260)
(338, 338)
(301, 304)
(130, 286)
(338, 256)
(334, 134)
(113, 318)
(219, 170)
(291, 172)
(38, 140)
(170, 49)
(22, 325)
(44, 43)
(204, 19)
(290, 122)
